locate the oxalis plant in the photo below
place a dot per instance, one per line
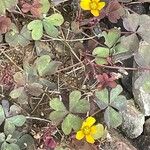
(10, 120)
(32, 80)
(68, 118)
(112, 103)
(49, 24)
(115, 44)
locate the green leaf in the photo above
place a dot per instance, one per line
(55, 19)
(42, 63)
(71, 122)
(112, 117)
(101, 61)
(11, 146)
(102, 99)
(2, 137)
(52, 67)
(14, 37)
(37, 29)
(14, 146)
(7, 5)
(16, 92)
(19, 78)
(112, 37)
(77, 105)
(101, 52)
(131, 23)
(82, 106)
(28, 139)
(9, 127)
(50, 29)
(127, 43)
(5, 146)
(99, 131)
(115, 92)
(2, 115)
(17, 120)
(57, 105)
(73, 96)
(57, 116)
(34, 89)
(45, 6)
(119, 103)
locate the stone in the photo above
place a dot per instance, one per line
(133, 121)
(116, 142)
(141, 79)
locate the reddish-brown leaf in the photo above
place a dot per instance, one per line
(33, 8)
(105, 80)
(114, 11)
(5, 23)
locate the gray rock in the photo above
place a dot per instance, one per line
(133, 121)
(142, 98)
(141, 78)
(116, 142)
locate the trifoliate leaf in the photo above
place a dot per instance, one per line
(7, 5)
(36, 26)
(71, 122)
(102, 99)
(112, 118)
(57, 105)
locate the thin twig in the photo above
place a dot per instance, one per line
(36, 118)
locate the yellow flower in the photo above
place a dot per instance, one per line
(88, 130)
(93, 5)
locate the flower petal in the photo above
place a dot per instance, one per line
(101, 5)
(85, 5)
(90, 139)
(79, 135)
(95, 12)
(95, 1)
(93, 129)
(90, 121)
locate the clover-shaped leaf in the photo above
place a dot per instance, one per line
(37, 29)
(57, 105)
(14, 37)
(71, 122)
(102, 98)
(112, 117)
(112, 105)
(59, 112)
(99, 131)
(112, 37)
(25, 138)
(101, 53)
(9, 146)
(13, 122)
(15, 93)
(10, 122)
(49, 24)
(55, 19)
(76, 104)
(7, 5)
(138, 24)
(44, 65)
(45, 6)
(17, 120)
